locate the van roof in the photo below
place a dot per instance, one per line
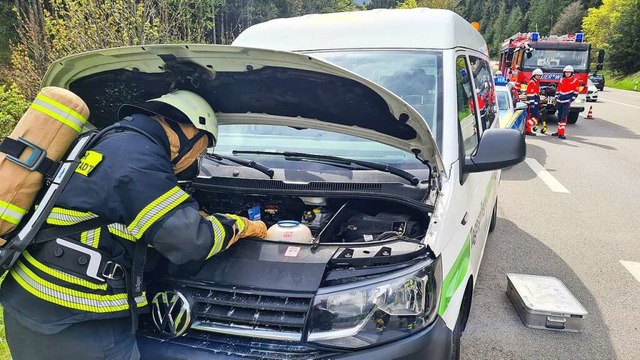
(419, 28)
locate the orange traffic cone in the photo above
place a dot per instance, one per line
(590, 114)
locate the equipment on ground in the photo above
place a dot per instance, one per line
(31, 153)
(543, 302)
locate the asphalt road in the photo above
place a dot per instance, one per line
(579, 236)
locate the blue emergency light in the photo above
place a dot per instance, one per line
(500, 80)
(579, 37)
(535, 36)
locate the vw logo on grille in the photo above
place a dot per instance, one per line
(171, 313)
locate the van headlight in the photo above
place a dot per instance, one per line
(349, 316)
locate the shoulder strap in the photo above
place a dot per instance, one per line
(61, 231)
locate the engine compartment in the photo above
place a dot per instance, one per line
(330, 220)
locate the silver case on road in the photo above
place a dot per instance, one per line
(543, 302)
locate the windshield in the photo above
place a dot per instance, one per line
(415, 76)
(556, 60)
(284, 138)
(503, 100)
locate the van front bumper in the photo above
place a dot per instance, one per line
(433, 342)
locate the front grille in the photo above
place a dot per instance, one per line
(250, 313)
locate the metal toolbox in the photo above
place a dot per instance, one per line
(543, 302)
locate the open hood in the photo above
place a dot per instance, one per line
(247, 86)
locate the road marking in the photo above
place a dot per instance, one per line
(620, 103)
(633, 267)
(544, 175)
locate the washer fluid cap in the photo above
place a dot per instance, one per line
(290, 231)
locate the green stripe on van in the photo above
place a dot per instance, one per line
(455, 277)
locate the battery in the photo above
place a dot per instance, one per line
(543, 302)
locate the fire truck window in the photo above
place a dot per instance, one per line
(466, 107)
(485, 91)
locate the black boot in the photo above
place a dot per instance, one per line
(530, 133)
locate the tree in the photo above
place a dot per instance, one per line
(433, 4)
(570, 20)
(7, 31)
(543, 14)
(600, 22)
(68, 27)
(624, 46)
(515, 21)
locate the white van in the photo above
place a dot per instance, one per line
(433, 60)
(397, 184)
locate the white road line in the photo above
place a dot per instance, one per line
(620, 103)
(544, 175)
(633, 267)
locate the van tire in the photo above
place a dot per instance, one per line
(461, 323)
(494, 217)
(572, 118)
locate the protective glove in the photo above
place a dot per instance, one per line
(253, 229)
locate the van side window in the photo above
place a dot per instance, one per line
(466, 107)
(485, 91)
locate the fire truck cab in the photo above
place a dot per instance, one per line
(524, 52)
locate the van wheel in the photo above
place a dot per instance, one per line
(461, 324)
(572, 118)
(494, 217)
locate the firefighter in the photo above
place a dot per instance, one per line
(567, 92)
(78, 296)
(533, 101)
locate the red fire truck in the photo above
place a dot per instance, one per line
(524, 52)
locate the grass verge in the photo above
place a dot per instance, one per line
(623, 83)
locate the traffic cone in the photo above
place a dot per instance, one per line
(590, 114)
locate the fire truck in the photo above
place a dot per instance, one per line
(524, 52)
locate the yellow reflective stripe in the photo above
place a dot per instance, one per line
(155, 210)
(68, 298)
(64, 217)
(60, 112)
(11, 213)
(240, 225)
(91, 237)
(218, 236)
(62, 275)
(121, 231)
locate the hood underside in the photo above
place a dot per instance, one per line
(246, 86)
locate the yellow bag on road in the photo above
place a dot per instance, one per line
(40, 139)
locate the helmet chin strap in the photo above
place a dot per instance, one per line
(186, 144)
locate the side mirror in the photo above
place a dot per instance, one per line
(498, 149)
(521, 106)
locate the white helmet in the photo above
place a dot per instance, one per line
(537, 72)
(568, 68)
(498, 73)
(182, 104)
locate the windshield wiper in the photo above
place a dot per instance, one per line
(244, 162)
(292, 155)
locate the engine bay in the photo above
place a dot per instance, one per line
(329, 220)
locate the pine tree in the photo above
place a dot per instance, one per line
(570, 20)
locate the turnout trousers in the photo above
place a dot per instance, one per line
(563, 112)
(98, 339)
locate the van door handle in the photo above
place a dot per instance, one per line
(465, 218)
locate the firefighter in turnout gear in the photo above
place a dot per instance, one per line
(77, 297)
(567, 92)
(533, 101)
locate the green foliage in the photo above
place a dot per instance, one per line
(628, 82)
(614, 27)
(624, 46)
(12, 105)
(543, 14)
(7, 31)
(433, 4)
(570, 20)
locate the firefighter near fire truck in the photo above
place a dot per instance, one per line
(567, 93)
(533, 103)
(522, 53)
